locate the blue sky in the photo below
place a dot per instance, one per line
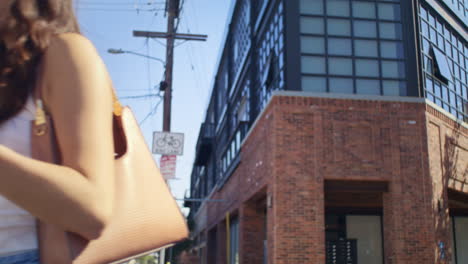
(109, 24)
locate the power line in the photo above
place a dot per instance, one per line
(138, 97)
(119, 10)
(153, 112)
(119, 4)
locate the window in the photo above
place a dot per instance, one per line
(270, 68)
(341, 85)
(338, 8)
(240, 36)
(243, 112)
(270, 71)
(389, 30)
(312, 25)
(371, 87)
(339, 27)
(441, 69)
(339, 46)
(444, 58)
(363, 9)
(389, 11)
(368, 68)
(366, 29)
(393, 69)
(365, 48)
(313, 64)
(353, 239)
(311, 7)
(345, 43)
(391, 49)
(367, 230)
(460, 238)
(394, 88)
(314, 84)
(313, 45)
(234, 241)
(340, 66)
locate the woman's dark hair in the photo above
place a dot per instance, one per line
(24, 36)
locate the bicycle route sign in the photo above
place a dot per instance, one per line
(168, 143)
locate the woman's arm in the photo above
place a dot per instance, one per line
(76, 195)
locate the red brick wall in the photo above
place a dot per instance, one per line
(299, 142)
(448, 163)
(353, 140)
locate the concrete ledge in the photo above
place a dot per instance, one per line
(405, 99)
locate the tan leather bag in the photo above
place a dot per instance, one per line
(145, 218)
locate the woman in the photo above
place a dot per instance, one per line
(40, 47)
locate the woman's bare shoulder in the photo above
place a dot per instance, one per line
(69, 42)
(71, 59)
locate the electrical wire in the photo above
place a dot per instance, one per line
(118, 4)
(119, 10)
(150, 114)
(139, 97)
(159, 42)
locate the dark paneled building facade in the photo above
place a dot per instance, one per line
(336, 133)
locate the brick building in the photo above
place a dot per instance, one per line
(336, 133)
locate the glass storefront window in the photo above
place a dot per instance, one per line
(460, 235)
(367, 230)
(234, 242)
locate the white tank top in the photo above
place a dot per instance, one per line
(17, 227)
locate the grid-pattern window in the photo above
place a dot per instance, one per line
(222, 86)
(351, 46)
(445, 61)
(231, 152)
(240, 36)
(241, 109)
(270, 57)
(459, 7)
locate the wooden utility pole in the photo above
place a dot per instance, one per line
(173, 10)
